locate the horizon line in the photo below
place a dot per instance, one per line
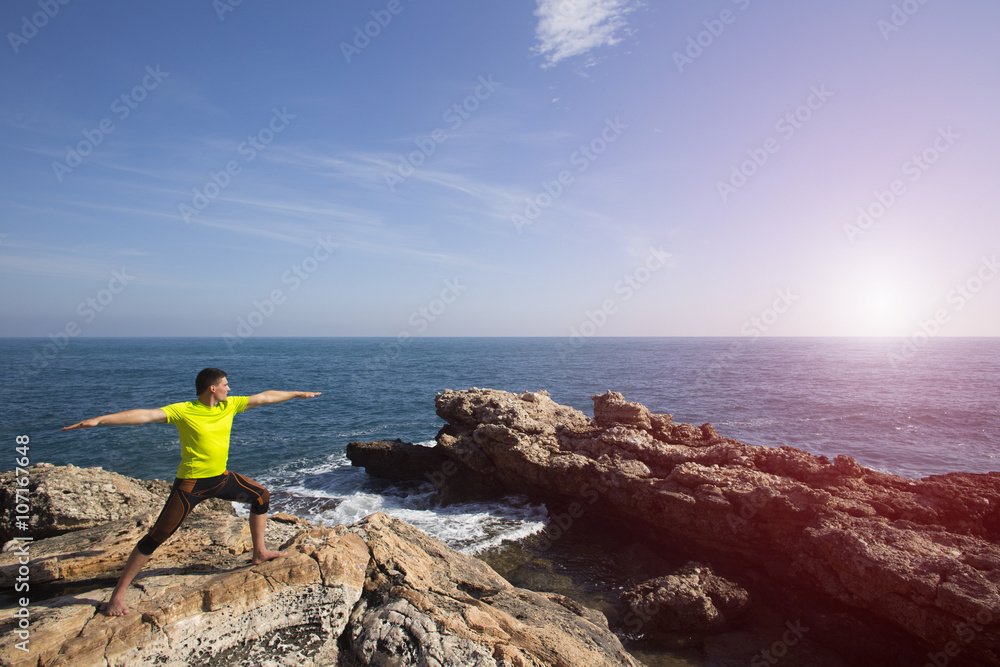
(739, 337)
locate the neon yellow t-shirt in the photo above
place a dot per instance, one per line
(204, 435)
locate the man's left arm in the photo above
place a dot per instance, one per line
(272, 396)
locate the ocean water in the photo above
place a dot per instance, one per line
(934, 413)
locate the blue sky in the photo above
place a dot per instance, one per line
(526, 167)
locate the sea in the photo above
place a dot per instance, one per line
(908, 409)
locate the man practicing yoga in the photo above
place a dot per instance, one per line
(204, 426)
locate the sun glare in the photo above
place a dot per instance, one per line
(881, 309)
(881, 302)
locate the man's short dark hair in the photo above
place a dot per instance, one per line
(206, 378)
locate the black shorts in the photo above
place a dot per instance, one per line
(187, 493)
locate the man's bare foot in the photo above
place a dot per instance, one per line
(116, 608)
(266, 555)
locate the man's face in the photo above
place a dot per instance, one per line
(220, 389)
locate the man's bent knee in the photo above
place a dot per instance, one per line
(262, 504)
(148, 545)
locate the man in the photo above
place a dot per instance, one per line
(204, 427)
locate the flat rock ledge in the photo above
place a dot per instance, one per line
(378, 592)
(914, 564)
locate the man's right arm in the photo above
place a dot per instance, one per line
(126, 418)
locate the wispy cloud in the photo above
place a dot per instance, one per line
(568, 28)
(60, 262)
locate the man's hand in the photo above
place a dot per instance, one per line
(86, 423)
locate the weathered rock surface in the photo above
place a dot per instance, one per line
(379, 592)
(692, 600)
(426, 604)
(395, 459)
(921, 556)
(70, 498)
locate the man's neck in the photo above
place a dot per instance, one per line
(208, 399)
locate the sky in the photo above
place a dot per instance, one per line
(565, 168)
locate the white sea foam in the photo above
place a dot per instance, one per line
(466, 527)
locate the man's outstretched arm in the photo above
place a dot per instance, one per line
(126, 418)
(272, 396)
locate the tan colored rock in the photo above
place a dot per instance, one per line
(197, 598)
(65, 498)
(611, 408)
(195, 605)
(427, 604)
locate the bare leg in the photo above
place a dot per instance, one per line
(260, 551)
(136, 561)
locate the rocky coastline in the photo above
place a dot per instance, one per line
(705, 547)
(378, 592)
(885, 570)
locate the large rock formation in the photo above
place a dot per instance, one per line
(378, 592)
(920, 556)
(71, 498)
